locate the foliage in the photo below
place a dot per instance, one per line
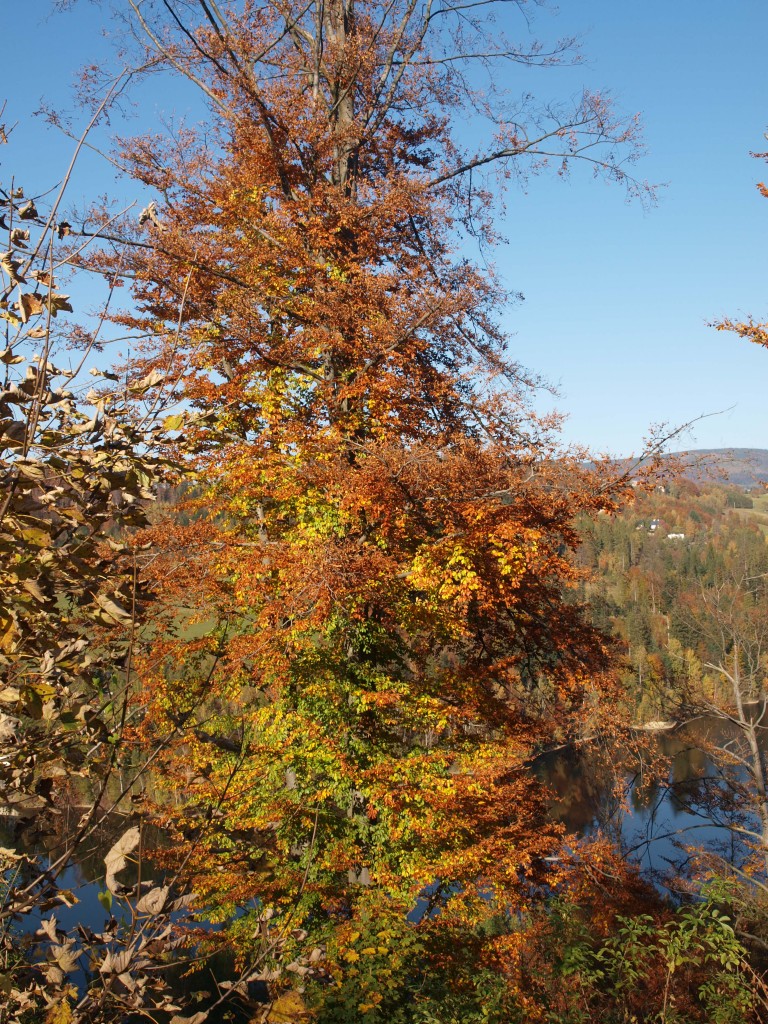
(361, 635)
(79, 469)
(365, 623)
(555, 965)
(363, 632)
(652, 590)
(688, 968)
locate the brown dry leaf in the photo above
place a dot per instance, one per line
(153, 901)
(128, 981)
(150, 381)
(267, 976)
(116, 859)
(112, 612)
(66, 896)
(8, 728)
(33, 588)
(13, 433)
(66, 956)
(28, 211)
(48, 927)
(184, 901)
(30, 304)
(54, 974)
(116, 963)
(58, 303)
(11, 267)
(149, 213)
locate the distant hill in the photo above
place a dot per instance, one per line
(744, 467)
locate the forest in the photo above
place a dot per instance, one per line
(311, 619)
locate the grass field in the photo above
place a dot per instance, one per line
(758, 514)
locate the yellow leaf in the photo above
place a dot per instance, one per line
(287, 1008)
(59, 1012)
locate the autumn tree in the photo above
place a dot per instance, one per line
(367, 629)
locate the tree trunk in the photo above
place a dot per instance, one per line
(338, 28)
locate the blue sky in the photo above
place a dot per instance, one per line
(617, 298)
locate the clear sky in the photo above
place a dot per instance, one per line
(617, 298)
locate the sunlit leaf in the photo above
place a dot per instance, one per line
(116, 859)
(28, 211)
(30, 304)
(152, 380)
(153, 901)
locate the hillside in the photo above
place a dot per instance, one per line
(744, 467)
(660, 566)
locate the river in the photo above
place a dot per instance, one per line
(655, 822)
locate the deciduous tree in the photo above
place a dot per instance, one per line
(369, 628)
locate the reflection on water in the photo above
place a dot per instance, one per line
(45, 836)
(656, 820)
(83, 880)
